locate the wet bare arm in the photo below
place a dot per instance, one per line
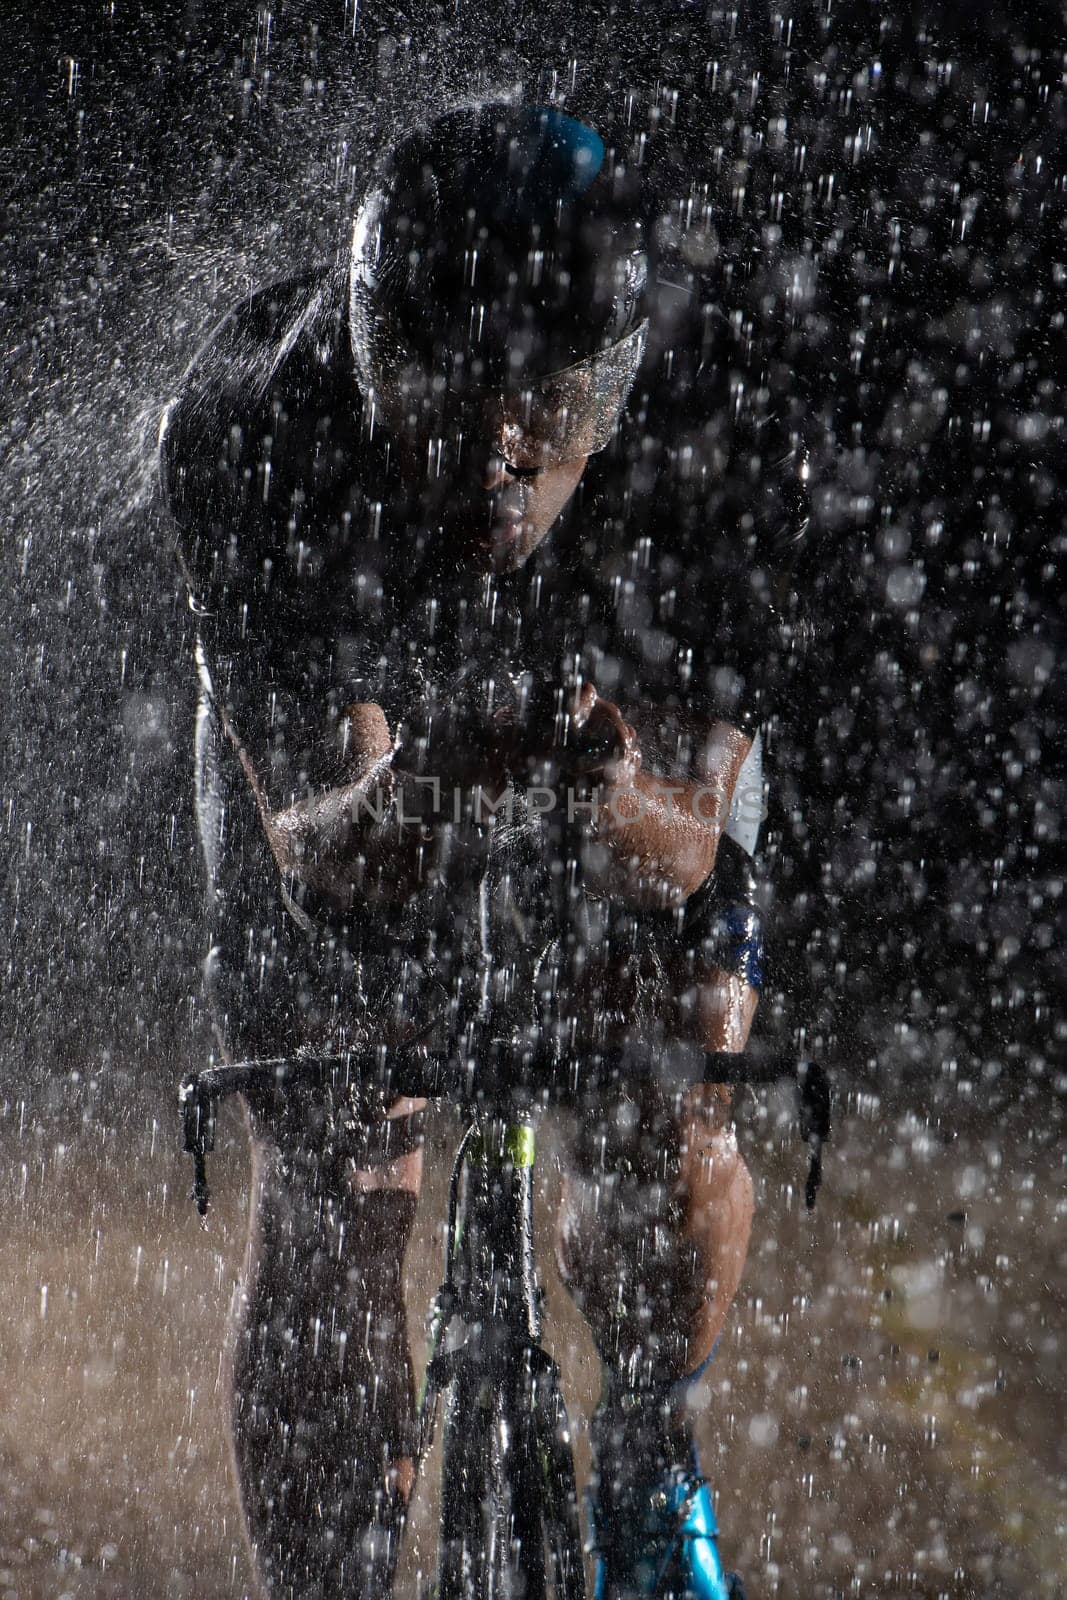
(354, 842)
(661, 834)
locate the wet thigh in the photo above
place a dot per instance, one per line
(621, 1241)
(321, 1384)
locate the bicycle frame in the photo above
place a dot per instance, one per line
(508, 1492)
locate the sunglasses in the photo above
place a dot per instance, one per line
(564, 416)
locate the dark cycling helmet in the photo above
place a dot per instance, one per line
(500, 251)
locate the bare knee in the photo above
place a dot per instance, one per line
(400, 1166)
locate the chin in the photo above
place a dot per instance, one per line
(510, 556)
(508, 559)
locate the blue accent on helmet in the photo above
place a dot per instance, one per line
(577, 150)
(550, 160)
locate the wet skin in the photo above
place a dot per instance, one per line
(654, 841)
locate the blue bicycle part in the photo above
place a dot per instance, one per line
(673, 1554)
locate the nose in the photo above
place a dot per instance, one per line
(495, 474)
(500, 473)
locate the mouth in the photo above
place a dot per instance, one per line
(507, 525)
(507, 545)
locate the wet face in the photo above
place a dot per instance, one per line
(525, 488)
(497, 473)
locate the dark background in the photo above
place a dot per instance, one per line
(158, 164)
(883, 1417)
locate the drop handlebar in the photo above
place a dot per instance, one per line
(494, 1074)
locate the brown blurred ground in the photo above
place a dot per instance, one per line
(883, 1417)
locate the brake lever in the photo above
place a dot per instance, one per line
(198, 1108)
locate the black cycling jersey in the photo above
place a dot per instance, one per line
(320, 579)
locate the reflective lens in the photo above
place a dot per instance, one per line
(572, 413)
(563, 417)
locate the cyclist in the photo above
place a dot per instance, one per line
(447, 601)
